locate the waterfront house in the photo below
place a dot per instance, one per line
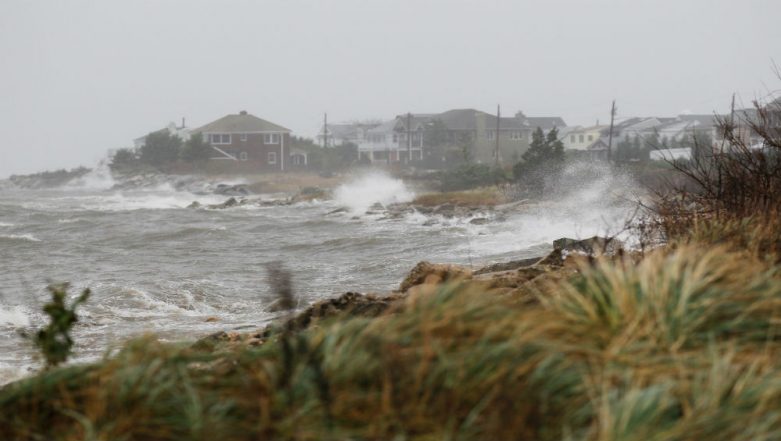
(245, 137)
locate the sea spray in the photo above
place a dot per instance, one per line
(99, 178)
(371, 188)
(582, 200)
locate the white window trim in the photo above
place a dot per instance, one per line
(220, 135)
(272, 158)
(243, 156)
(269, 138)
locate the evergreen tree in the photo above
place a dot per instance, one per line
(160, 148)
(545, 156)
(555, 146)
(123, 158)
(538, 149)
(196, 149)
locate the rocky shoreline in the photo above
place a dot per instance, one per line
(511, 278)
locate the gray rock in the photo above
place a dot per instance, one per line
(591, 246)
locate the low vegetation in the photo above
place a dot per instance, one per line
(485, 196)
(681, 342)
(683, 345)
(54, 340)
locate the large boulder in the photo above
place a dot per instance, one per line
(426, 273)
(231, 190)
(231, 202)
(351, 303)
(592, 246)
(507, 266)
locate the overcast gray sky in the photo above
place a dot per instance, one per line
(80, 77)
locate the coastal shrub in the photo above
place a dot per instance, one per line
(160, 148)
(469, 176)
(54, 340)
(196, 149)
(123, 158)
(739, 176)
(682, 345)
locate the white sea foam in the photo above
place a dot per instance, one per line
(600, 205)
(20, 237)
(99, 178)
(14, 316)
(368, 189)
(5, 225)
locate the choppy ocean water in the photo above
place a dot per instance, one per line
(156, 266)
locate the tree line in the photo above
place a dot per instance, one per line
(162, 148)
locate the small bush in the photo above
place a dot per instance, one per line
(54, 341)
(470, 176)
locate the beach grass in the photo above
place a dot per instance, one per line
(683, 345)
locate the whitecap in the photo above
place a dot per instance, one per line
(20, 237)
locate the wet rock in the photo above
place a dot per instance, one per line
(338, 210)
(309, 194)
(510, 279)
(194, 205)
(479, 221)
(231, 190)
(430, 222)
(426, 273)
(273, 203)
(351, 304)
(555, 258)
(232, 202)
(595, 245)
(507, 266)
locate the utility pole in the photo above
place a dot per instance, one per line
(610, 134)
(325, 129)
(496, 135)
(409, 137)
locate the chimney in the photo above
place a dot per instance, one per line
(243, 112)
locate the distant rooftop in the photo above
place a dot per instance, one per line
(242, 122)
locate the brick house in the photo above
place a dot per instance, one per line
(245, 137)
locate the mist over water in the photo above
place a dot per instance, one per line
(154, 265)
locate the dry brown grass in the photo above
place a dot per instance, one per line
(485, 196)
(684, 345)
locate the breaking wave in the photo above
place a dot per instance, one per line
(371, 188)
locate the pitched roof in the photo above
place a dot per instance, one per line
(242, 122)
(703, 120)
(546, 122)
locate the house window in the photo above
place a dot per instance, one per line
(243, 156)
(271, 138)
(580, 138)
(243, 136)
(590, 138)
(395, 138)
(220, 138)
(272, 157)
(516, 136)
